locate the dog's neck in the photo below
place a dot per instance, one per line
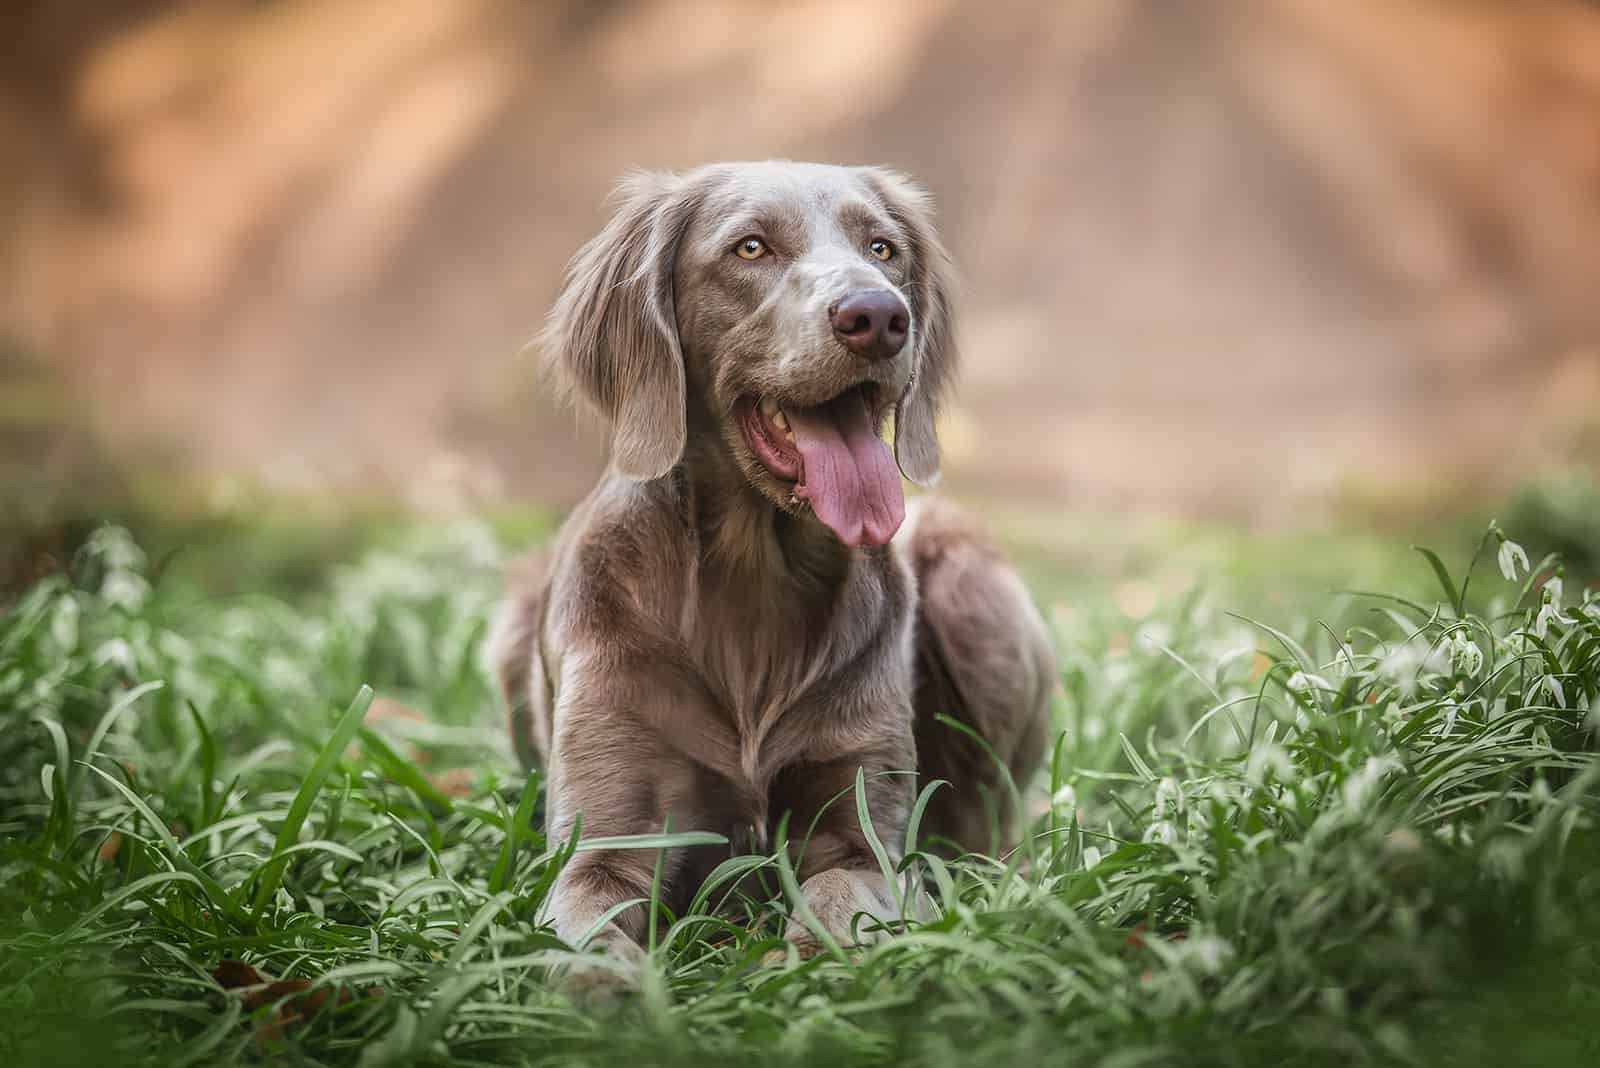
(744, 535)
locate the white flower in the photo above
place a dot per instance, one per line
(1091, 857)
(1302, 682)
(124, 589)
(1265, 757)
(1557, 693)
(119, 653)
(1465, 656)
(1168, 793)
(64, 624)
(1066, 796)
(1549, 613)
(1206, 952)
(1450, 710)
(1360, 785)
(1540, 737)
(1403, 663)
(1512, 554)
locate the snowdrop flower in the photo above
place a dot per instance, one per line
(1401, 665)
(1358, 787)
(1465, 656)
(1549, 612)
(1168, 794)
(124, 589)
(1161, 831)
(1302, 683)
(64, 624)
(1267, 757)
(1065, 797)
(1449, 724)
(119, 653)
(1557, 694)
(1512, 555)
(1091, 857)
(1206, 952)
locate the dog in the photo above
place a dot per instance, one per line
(741, 616)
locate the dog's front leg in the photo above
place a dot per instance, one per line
(617, 768)
(842, 883)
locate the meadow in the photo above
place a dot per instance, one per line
(1314, 799)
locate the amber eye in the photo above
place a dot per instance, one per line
(751, 248)
(881, 249)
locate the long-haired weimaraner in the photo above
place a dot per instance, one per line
(741, 614)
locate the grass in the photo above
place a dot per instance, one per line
(1362, 833)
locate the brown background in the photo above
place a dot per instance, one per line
(1242, 256)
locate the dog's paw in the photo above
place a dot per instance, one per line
(796, 947)
(611, 967)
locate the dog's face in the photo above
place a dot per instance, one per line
(789, 307)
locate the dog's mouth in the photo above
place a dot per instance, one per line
(833, 457)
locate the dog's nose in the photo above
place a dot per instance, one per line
(872, 323)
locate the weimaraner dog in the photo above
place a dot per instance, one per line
(741, 614)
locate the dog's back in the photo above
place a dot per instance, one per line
(984, 660)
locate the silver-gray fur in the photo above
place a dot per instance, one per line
(697, 647)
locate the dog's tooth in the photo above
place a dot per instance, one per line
(780, 420)
(768, 407)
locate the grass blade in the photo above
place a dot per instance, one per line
(310, 786)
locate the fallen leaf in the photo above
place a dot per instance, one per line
(454, 782)
(232, 974)
(295, 998)
(388, 708)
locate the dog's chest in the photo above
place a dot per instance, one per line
(758, 659)
(766, 654)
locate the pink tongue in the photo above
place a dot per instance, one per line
(849, 475)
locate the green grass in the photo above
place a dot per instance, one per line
(1359, 831)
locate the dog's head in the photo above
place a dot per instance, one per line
(788, 305)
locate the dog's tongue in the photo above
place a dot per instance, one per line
(849, 475)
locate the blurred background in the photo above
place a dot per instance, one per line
(1272, 262)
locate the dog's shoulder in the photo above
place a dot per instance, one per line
(623, 559)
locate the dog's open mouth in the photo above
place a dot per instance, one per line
(833, 455)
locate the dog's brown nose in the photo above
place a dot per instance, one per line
(872, 323)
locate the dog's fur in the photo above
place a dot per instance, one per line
(698, 650)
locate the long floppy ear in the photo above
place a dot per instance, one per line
(930, 290)
(613, 332)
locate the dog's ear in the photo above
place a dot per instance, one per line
(613, 332)
(931, 292)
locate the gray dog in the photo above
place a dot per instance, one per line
(741, 614)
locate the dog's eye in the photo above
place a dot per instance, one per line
(751, 248)
(881, 249)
